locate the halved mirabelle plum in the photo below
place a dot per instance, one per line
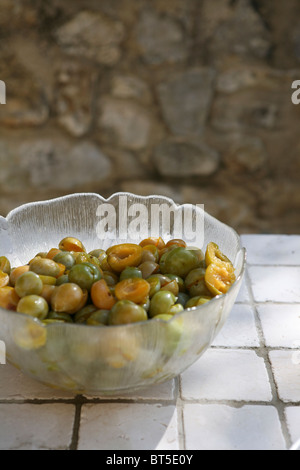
(5, 265)
(71, 244)
(219, 278)
(214, 255)
(156, 241)
(4, 279)
(123, 255)
(102, 296)
(9, 299)
(134, 289)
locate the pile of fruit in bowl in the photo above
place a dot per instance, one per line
(124, 284)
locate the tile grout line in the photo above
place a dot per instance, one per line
(252, 304)
(179, 402)
(263, 352)
(80, 399)
(256, 349)
(76, 427)
(233, 402)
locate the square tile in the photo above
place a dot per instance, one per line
(224, 374)
(127, 426)
(239, 329)
(272, 249)
(286, 370)
(223, 427)
(292, 414)
(36, 427)
(243, 295)
(274, 283)
(280, 324)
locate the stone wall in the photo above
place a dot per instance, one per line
(185, 98)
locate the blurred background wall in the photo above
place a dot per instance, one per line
(185, 98)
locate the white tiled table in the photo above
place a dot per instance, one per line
(243, 393)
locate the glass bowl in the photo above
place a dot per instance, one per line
(113, 359)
